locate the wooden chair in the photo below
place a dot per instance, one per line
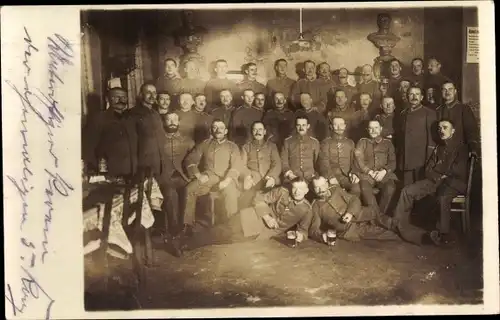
(462, 201)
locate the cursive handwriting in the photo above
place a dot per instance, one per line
(58, 184)
(30, 289)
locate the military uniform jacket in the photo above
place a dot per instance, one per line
(176, 148)
(416, 137)
(222, 159)
(319, 125)
(465, 124)
(336, 158)
(325, 87)
(172, 86)
(113, 137)
(387, 123)
(215, 86)
(224, 114)
(243, 85)
(280, 205)
(187, 122)
(151, 138)
(449, 158)
(313, 87)
(368, 87)
(329, 211)
(192, 86)
(279, 125)
(375, 154)
(418, 80)
(350, 93)
(299, 155)
(283, 85)
(435, 80)
(348, 114)
(203, 126)
(260, 160)
(241, 122)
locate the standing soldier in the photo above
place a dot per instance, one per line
(350, 91)
(163, 103)
(395, 68)
(386, 118)
(249, 81)
(170, 81)
(376, 159)
(311, 85)
(336, 158)
(300, 153)
(415, 138)
(417, 72)
(187, 117)
(435, 78)
(192, 83)
(221, 166)
(243, 117)
(173, 179)
(279, 121)
(344, 110)
(225, 110)
(203, 119)
(361, 117)
(282, 83)
(261, 164)
(216, 85)
(368, 84)
(318, 123)
(326, 83)
(465, 124)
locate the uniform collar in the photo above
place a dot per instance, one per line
(258, 143)
(297, 202)
(173, 135)
(312, 79)
(346, 107)
(301, 137)
(377, 140)
(384, 115)
(410, 109)
(451, 105)
(219, 142)
(338, 137)
(172, 77)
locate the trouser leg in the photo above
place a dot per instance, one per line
(367, 196)
(409, 195)
(231, 195)
(195, 189)
(386, 193)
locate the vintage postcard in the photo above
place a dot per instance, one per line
(238, 160)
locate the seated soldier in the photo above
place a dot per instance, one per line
(220, 168)
(300, 153)
(336, 158)
(445, 177)
(261, 164)
(376, 159)
(342, 212)
(273, 213)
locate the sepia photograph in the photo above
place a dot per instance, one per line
(281, 157)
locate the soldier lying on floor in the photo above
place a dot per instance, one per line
(342, 212)
(272, 214)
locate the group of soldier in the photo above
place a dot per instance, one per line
(307, 155)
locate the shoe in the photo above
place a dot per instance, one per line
(176, 245)
(435, 237)
(385, 222)
(187, 231)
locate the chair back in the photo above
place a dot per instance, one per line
(472, 163)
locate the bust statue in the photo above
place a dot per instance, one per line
(385, 41)
(189, 37)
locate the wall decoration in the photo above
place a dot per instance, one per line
(189, 38)
(385, 41)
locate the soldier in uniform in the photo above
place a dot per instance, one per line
(350, 91)
(260, 101)
(163, 102)
(243, 117)
(386, 118)
(343, 110)
(225, 110)
(173, 179)
(261, 164)
(282, 83)
(415, 139)
(376, 159)
(318, 123)
(417, 72)
(326, 83)
(300, 153)
(431, 98)
(170, 81)
(279, 121)
(445, 176)
(336, 158)
(395, 68)
(368, 84)
(465, 124)
(401, 99)
(435, 78)
(187, 116)
(250, 80)
(273, 213)
(383, 91)
(336, 209)
(216, 85)
(311, 85)
(361, 117)
(203, 121)
(192, 83)
(150, 132)
(221, 167)
(112, 136)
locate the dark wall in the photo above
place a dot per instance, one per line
(443, 40)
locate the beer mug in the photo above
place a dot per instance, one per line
(331, 237)
(291, 237)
